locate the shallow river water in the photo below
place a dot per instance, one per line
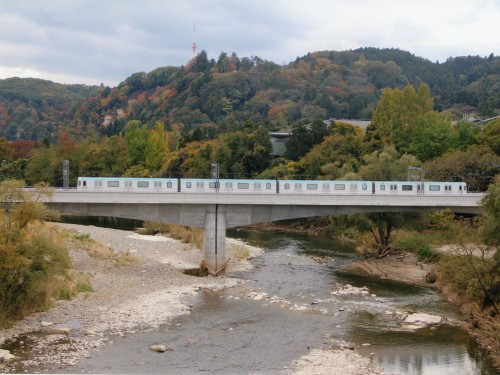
(232, 332)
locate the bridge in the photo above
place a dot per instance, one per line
(217, 211)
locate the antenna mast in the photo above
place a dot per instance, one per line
(194, 46)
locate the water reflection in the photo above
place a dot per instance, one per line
(445, 349)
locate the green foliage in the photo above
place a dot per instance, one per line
(304, 137)
(490, 135)
(473, 274)
(438, 220)
(477, 166)
(396, 114)
(137, 140)
(430, 136)
(386, 165)
(426, 254)
(490, 228)
(32, 261)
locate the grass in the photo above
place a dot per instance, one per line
(239, 252)
(179, 232)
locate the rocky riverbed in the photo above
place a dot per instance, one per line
(138, 297)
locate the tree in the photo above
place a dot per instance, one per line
(303, 138)
(45, 165)
(156, 148)
(490, 228)
(396, 112)
(386, 166)
(490, 135)
(6, 151)
(430, 137)
(201, 63)
(477, 166)
(137, 139)
(28, 258)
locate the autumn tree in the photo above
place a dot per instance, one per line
(477, 166)
(156, 147)
(29, 259)
(396, 112)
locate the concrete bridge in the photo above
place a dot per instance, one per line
(217, 211)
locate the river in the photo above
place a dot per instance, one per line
(295, 308)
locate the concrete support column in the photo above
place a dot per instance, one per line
(214, 240)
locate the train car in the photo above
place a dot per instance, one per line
(418, 188)
(248, 186)
(197, 185)
(124, 184)
(326, 187)
(445, 188)
(397, 188)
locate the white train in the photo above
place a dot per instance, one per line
(326, 187)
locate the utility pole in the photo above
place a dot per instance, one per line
(412, 176)
(66, 174)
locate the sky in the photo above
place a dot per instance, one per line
(106, 41)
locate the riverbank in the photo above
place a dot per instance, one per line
(139, 296)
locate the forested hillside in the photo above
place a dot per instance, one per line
(210, 96)
(223, 94)
(34, 109)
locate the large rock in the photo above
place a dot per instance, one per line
(423, 318)
(5, 355)
(418, 321)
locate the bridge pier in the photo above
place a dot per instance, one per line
(214, 240)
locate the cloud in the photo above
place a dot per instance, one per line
(107, 41)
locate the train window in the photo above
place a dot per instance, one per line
(143, 184)
(339, 186)
(364, 187)
(407, 187)
(287, 186)
(113, 183)
(382, 187)
(312, 186)
(268, 185)
(169, 184)
(460, 188)
(434, 188)
(243, 185)
(188, 185)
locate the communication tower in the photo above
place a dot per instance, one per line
(194, 46)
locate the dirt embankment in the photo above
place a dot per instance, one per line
(400, 266)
